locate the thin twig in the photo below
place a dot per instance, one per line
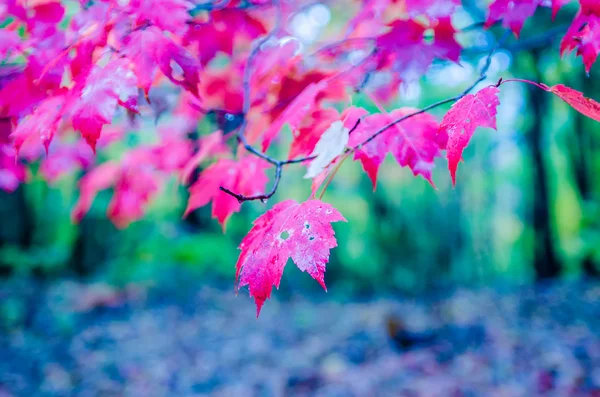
(246, 84)
(482, 76)
(280, 163)
(262, 197)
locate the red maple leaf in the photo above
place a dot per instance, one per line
(225, 28)
(65, 159)
(294, 113)
(513, 13)
(246, 177)
(170, 15)
(10, 43)
(462, 120)
(584, 33)
(406, 49)
(302, 232)
(100, 178)
(307, 135)
(414, 142)
(135, 187)
(583, 105)
(12, 173)
(30, 94)
(209, 146)
(149, 49)
(94, 100)
(43, 122)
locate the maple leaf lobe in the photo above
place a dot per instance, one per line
(461, 121)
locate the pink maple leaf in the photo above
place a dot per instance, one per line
(150, 49)
(584, 34)
(294, 113)
(12, 173)
(170, 15)
(10, 43)
(209, 145)
(95, 99)
(302, 232)
(43, 122)
(307, 135)
(404, 47)
(414, 142)
(513, 13)
(462, 120)
(225, 27)
(100, 178)
(246, 177)
(135, 187)
(582, 104)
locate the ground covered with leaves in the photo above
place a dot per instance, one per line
(93, 340)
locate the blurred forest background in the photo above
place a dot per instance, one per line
(149, 310)
(526, 204)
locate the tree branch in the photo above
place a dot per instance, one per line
(482, 76)
(280, 163)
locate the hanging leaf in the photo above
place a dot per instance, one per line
(302, 232)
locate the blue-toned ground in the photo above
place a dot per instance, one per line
(91, 340)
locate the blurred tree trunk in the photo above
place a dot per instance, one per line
(581, 166)
(545, 263)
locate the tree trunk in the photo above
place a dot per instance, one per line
(583, 180)
(545, 262)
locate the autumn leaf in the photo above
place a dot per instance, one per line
(134, 189)
(513, 14)
(12, 173)
(100, 178)
(584, 34)
(293, 113)
(96, 98)
(170, 15)
(10, 43)
(331, 144)
(583, 105)
(462, 120)
(305, 137)
(150, 49)
(246, 177)
(406, 49)
(43, 122)
(414, 142)
(302, 232)
(225, 28)
(209, 145)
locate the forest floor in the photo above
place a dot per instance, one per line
(91, 340)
